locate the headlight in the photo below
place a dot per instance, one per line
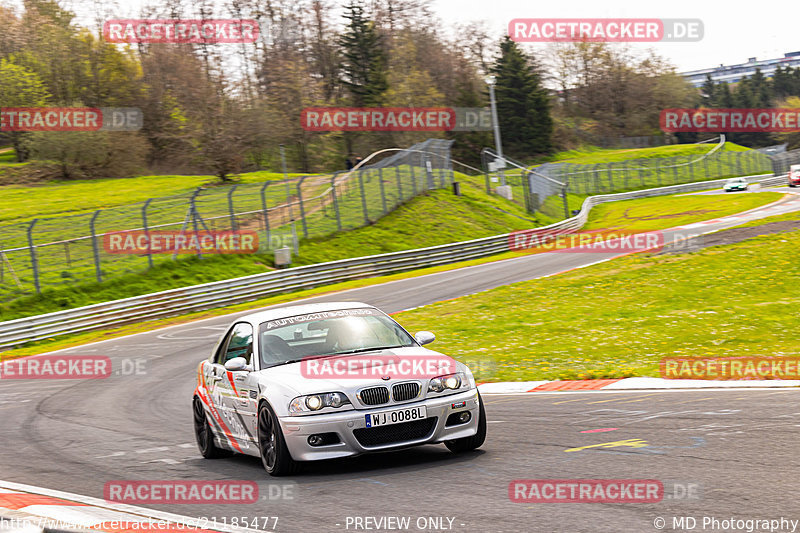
(443, 383)
(316, 402)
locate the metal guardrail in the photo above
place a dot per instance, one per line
(220, 293)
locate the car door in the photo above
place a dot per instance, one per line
(237, 386)
(246, 388)
(226, 391)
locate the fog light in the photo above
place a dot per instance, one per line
(464, 417)
(323, 439)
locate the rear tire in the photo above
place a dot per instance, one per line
(467, 444)
(272, 448)
(204, 434)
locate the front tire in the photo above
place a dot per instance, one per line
(467, 444)
(272, 446)
(204, 435)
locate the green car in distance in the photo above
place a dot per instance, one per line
(735, 184)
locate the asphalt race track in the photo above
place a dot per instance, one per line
(733, 450)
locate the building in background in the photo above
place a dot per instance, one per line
(734, 73)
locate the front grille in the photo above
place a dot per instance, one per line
(374, 396)
(395, 433)
(405, 391)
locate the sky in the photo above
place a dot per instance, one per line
(733, 34)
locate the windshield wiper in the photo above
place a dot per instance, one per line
(284, 363)
(359, 350)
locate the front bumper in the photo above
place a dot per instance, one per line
(297, 429)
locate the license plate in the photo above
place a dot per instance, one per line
(396, 416)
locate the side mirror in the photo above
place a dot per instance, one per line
(424, 337)
(238, 364)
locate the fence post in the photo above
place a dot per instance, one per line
(526, 191)
(95, 248)
(610, 172)
(34, 262)
(194, 215)
(413, 179)
(691, 167)
(429, 172)
(383, 192)
(302, 210)
(625, 173)
(265, 211)
(399, 184)
(363, 195)
(658, 170)
(674, 162)
(336, 202)
(147, 232)
(230, 208)
(739, 162)
(641, 172)
(564, 199)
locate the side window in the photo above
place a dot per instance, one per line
(239, 343)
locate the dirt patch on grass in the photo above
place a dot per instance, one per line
(734, 235)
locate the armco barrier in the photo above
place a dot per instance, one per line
(220, 293)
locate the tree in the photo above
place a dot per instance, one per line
(20, 87)
(708, 92)
(523, 107)
(91, 154)
(363, 59)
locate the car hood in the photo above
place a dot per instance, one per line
(297, 377)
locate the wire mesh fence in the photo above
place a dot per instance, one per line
(781, 162)
(62, 251)
(532, 186)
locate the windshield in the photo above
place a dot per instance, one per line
(329, 333)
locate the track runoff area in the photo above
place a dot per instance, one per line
(118, 454)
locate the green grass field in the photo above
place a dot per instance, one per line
(592, 155)
(411, 226)
(619, 318)
(23, 203)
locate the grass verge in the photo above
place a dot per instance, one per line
(597, 219)
(618, 319)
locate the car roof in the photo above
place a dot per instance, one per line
(294, 310)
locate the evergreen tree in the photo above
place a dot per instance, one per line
(523, 105)
(363, 58)
(709, 93)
